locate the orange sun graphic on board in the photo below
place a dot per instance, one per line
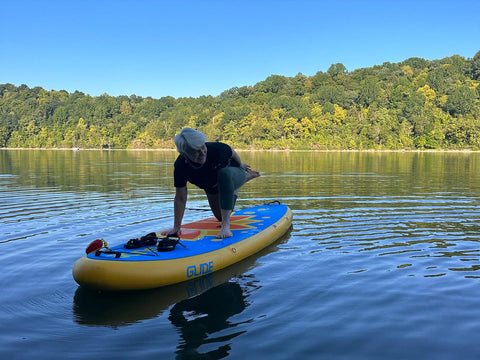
(211, 227)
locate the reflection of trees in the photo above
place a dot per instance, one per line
(205, 314)
(122, 171)
(102, 171)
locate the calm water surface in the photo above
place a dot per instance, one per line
(382, 261)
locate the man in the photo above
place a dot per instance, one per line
(212, 166)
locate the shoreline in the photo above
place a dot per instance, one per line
(263, 150)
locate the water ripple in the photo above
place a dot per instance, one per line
(400, 230)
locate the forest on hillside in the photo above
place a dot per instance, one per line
(415, 104)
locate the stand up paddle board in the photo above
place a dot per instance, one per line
(152, 261)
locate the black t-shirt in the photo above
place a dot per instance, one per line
(219, 155)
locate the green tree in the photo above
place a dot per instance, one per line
(474, 71)
(369, 91)
(461, 100)
(336, 70)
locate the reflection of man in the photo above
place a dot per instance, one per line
(205, 314)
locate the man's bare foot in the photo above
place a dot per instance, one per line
(251, 174)
(224, 233)
(225, 229)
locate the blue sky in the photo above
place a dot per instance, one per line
(199, 47)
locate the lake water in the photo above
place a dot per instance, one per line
(382, 260)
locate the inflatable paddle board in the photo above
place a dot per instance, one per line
(152, 261)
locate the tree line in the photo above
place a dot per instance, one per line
(414, 104)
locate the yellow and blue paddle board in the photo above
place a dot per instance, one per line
(199, 252)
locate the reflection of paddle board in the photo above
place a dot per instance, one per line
(202, 253)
